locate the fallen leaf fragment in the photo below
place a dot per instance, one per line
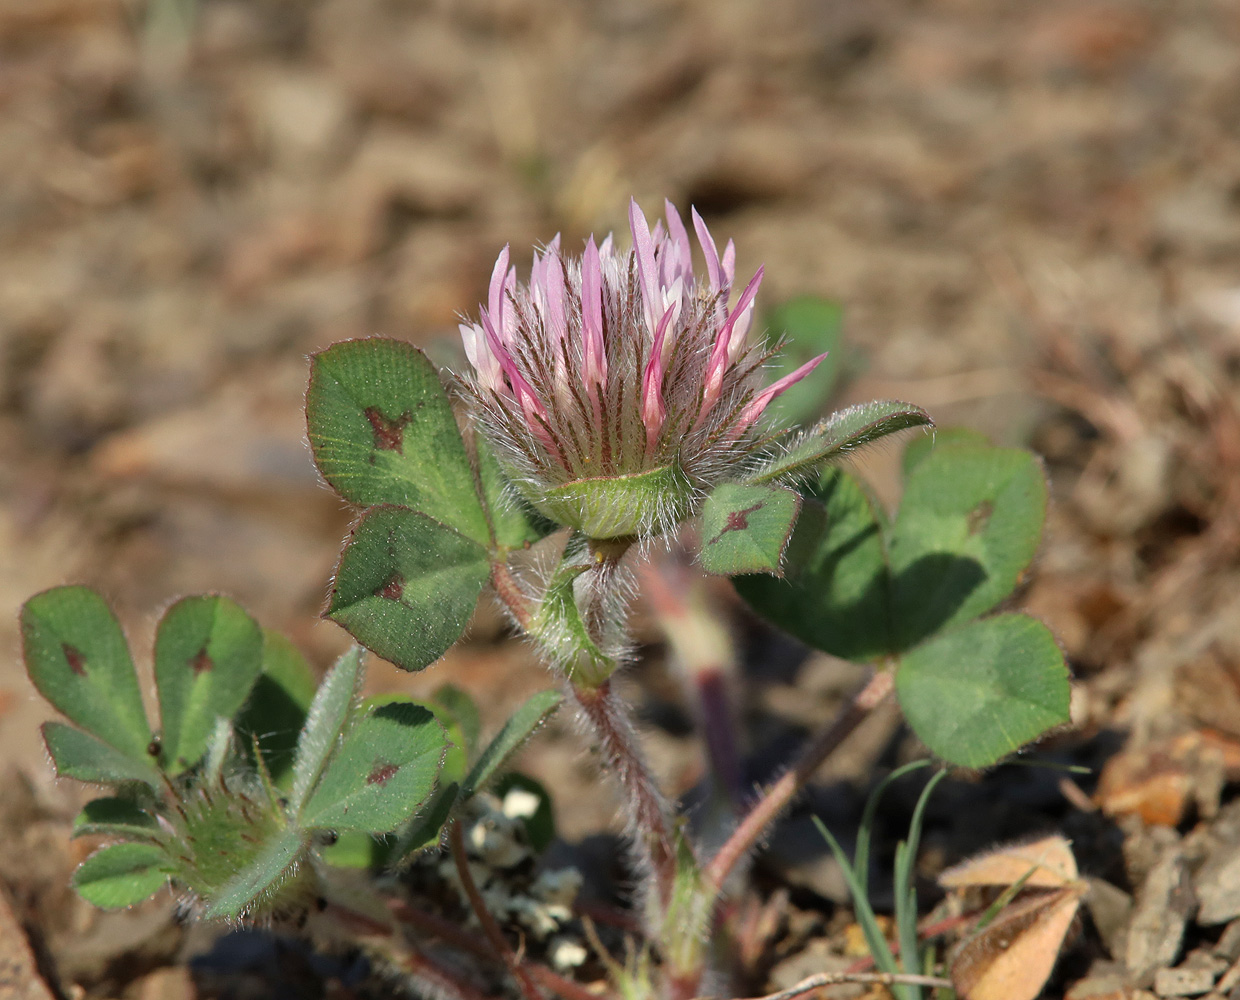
(1044, 864)
(1013, 955)
(1157, 782)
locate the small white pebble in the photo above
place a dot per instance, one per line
(566, 954)
(558, 886)
(520, 803)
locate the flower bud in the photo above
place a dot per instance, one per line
(617, 389)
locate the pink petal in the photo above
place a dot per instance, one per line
(682, 261)
(721, 354)
(496, 294)
(485, 363)
(595, 354)
(530, 403)
(553, 292)
(713, 271)
(654, 411)
(760, 402)
(644, 248)
(729, 264)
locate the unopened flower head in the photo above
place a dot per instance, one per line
(618, 388)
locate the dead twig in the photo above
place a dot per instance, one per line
(869, 978)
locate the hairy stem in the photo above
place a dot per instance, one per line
(777, 798)
(456, 841)
(471, 944)
(509, 591)
(648, 809)
(420, 968)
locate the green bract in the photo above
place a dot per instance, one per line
(619, 506)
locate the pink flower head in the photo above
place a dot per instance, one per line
(616, 389)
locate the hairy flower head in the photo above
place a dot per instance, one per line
(618, 388)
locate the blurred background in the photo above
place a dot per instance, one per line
(1029, 213)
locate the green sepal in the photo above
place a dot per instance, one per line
(635, 504)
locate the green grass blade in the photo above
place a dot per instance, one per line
(879, 949)
(861, 857)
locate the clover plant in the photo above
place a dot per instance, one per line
(609, 401)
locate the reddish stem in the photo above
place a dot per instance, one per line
(648, 811)
(777, 798)
(510, 592)
(456, 840)
(451, 934)
(426, 968)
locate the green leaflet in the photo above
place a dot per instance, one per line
(208, 654)
(407, 585)
(327, 719)
(382, 432)
(863, 588)
(79, 755)
(839, 434)
(978, 693)
(385, 769)
(121, 875)
(77, 658)
(745, 529)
